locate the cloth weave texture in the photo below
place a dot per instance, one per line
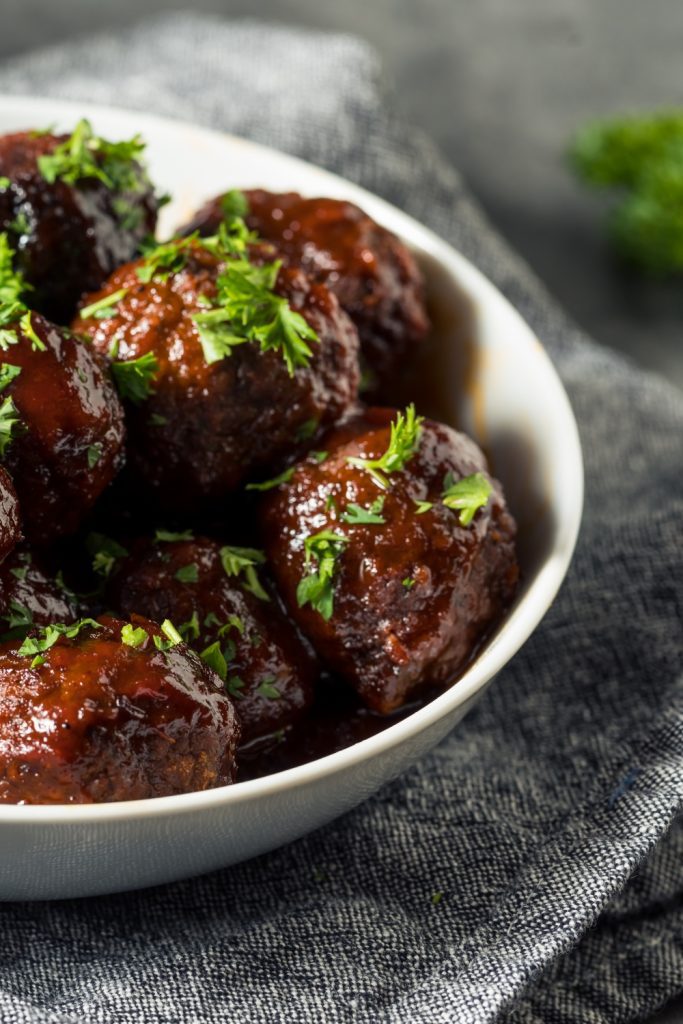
(545, 819)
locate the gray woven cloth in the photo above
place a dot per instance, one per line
(545, 819)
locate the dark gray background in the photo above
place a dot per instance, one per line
(501, 85)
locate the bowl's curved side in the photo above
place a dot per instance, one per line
(61, 860)
(513, 403)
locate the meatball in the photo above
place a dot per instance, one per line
(30, 596)
(216, 410)
(107, 710)
(394, 588)
(66, 426)
(372, 273)
(10, 528)
(75, 207)
(222, 611)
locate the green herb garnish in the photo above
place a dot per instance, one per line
(49, 635)
(408, 582)
(12, 283)
(132, 636)
(10, 424)
(317, 587)
(172, 635)
(467, 495)
(104, 308)
(134, 377)
(167, 536)
(403, 442)
(276, 481)
(214, 658)
(4, 182)
(423, 506)
(94, 454)
(85, 155)
(190, 630)
(8, 373)
(267, 689)
(105, 552)
(234, 685)
(356, 515)
(187, 573)
(242, 562)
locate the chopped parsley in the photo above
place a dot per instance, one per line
(317, 588)
(4, 182)
(20, 573)
(10, 424)
(49, 635)
(423, 506)
(156, 420)
(307, 430)
(187, 573)
(215, 659)
(356, 515)
(27, 328)
(12, 283)
(268, 485)
(267, 689)
(190, 630)
(234, 685)
(132, 636)
(104, 308)
(94, 454)
(408, 582)
(105, 553)
(134, 377)
(167, 536)
(242, 562)
(8, 373)
(232, 622)
(234, 204)
(85, 155)
(172, 635)
(19, 617)
(403, 442)
(318, 456)
(467, 495)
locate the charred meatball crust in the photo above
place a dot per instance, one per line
(207, 428)
(68, 238)
(30, 596)
(269, 670)
(10, 525)
(69, 441)
(372, 273)
(414, 595)
(98, 720)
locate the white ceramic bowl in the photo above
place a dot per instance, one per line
(492, 378)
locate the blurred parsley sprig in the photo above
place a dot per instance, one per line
(642, 157)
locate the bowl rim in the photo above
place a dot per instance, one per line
(515, 628)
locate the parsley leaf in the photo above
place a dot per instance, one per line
(234, 204)
(8, 373)
(234, 686)
(12, 283)
(95, 452)
(173, 637)
(170, 537)
(317, 587)
(267, 689)
(243, 561)
(105, 552)
(85, 155)
(132, 636)
(268, 485)
(190, 630)
(187, 573)
(104, 308)
(134, 377)
(467, 495)
(214, 658)
(356, 515)
(423, 506)
(403, 442)
(10, 424)
(49, 635)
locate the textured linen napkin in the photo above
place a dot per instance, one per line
(515, 870)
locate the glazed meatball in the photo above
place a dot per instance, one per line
(372, 273)
(10, 528)
(206, 421)
(394, 588)
(67, 440)
(97, 712)
(75, 208)
(30, 596)
(244, 635)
